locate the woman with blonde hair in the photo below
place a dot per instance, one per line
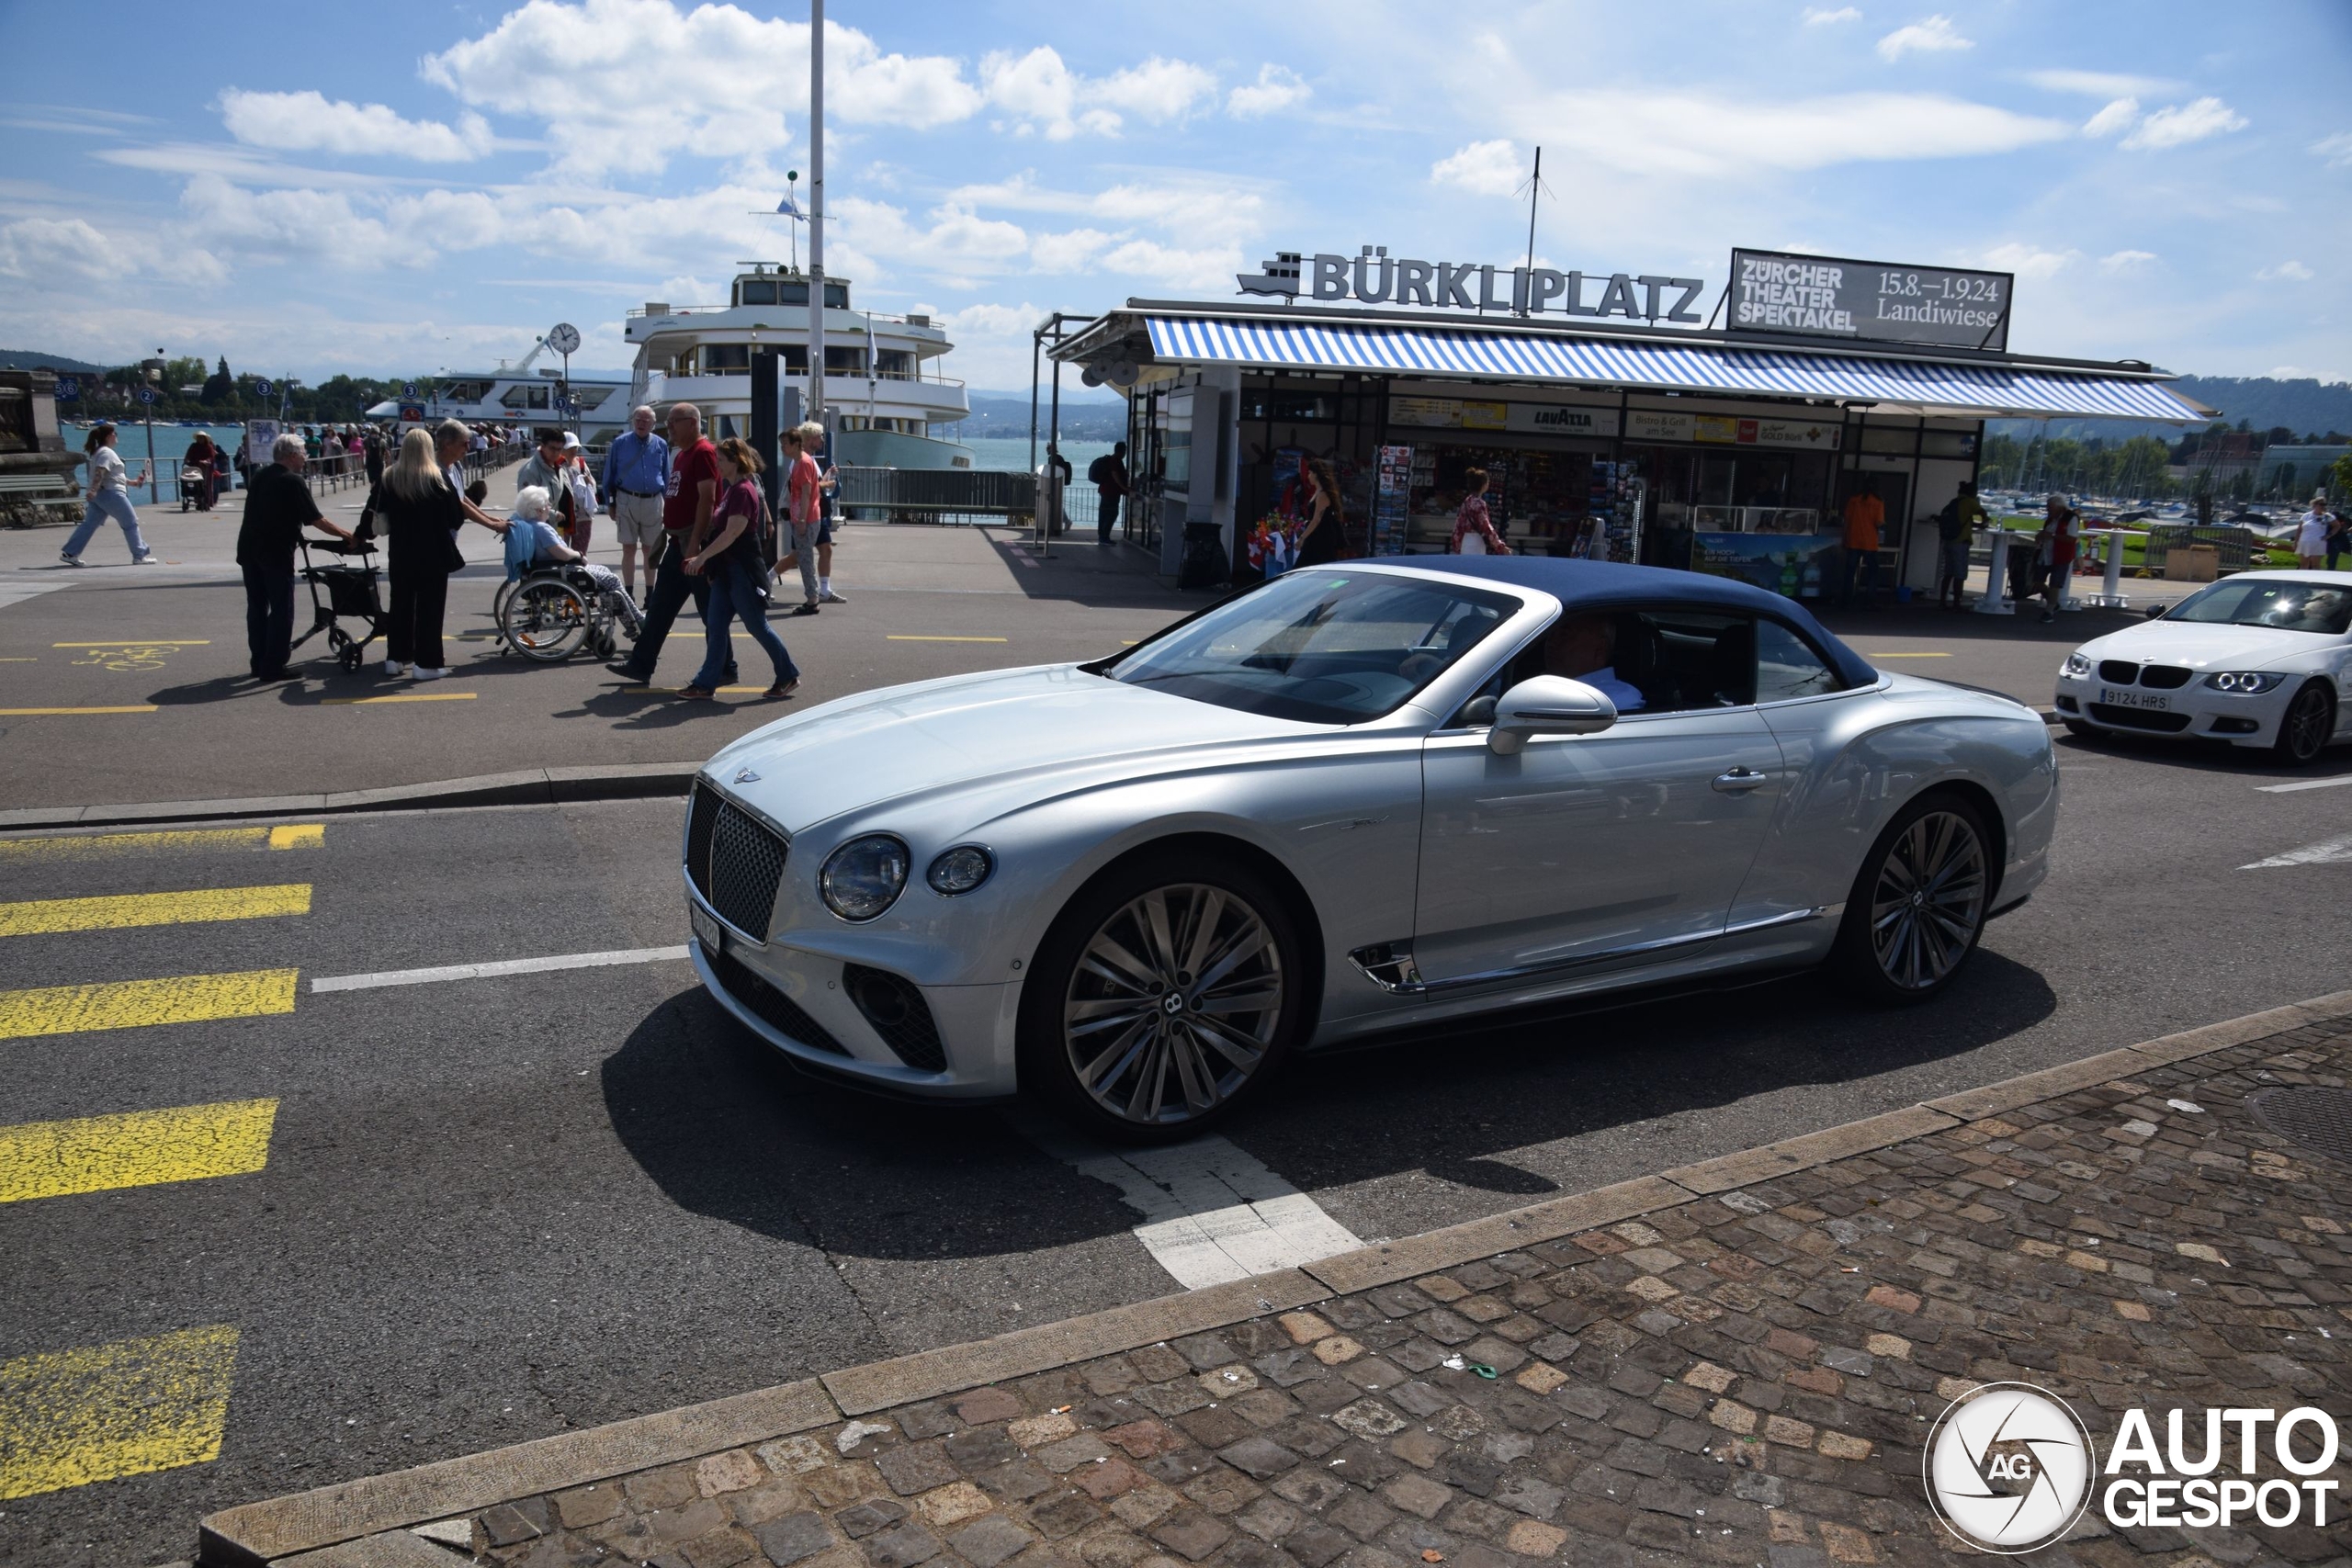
(419, 514)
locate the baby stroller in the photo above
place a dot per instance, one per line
(343, 591)
(195, 487)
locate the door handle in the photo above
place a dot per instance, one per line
(1740, 781)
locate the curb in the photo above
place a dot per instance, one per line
(359, 1523)
(528, 786)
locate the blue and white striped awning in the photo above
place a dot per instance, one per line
(1991, 391)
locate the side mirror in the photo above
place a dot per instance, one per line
(2156, 612)
(1547, 704)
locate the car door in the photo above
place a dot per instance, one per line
(1607, 848)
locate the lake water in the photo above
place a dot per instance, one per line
(171, 440)
(1011, 453)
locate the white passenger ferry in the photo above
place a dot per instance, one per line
(881, 374)
(518, 394)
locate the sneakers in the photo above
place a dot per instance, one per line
(147, 559)
(425, 675)
(69, 561)
(830, 597)
(806, 610)
(393, 667)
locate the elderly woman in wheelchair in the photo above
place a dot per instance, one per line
(555, 603)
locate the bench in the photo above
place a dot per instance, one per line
(28, 500)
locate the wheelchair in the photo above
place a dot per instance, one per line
(553, 612)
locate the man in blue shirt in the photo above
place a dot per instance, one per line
(1582, 647)
(636, 477)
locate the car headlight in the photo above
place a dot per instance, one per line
(2246, 682)
(2078, 665)
(960, 870)
(863, 877)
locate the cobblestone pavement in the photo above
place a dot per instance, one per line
(1744, 1379)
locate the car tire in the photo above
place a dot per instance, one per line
(2306, 727)
(1917, 906)
(1104, 976)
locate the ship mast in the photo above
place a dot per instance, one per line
(817, 210)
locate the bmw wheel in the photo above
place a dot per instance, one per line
(1162, 998)
(2308, 727)
(1917, 907)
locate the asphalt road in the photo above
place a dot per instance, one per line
(494, 1208)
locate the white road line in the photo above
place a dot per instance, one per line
(2309, 854)
(503, 967)
(17, 592)
(1212, 1213)
(2305, 784)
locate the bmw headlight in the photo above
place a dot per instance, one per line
(863, 877)
(960, 870)
(2078, 665)
(2244, 682)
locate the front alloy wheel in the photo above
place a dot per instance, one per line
(1172, 992)
(2310, 724)
(1918, 906)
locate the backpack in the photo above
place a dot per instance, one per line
(1098, 472)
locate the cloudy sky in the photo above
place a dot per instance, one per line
(394, 189)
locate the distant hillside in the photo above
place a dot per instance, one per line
(2306, 407)
(32, 359)
(1003, 413)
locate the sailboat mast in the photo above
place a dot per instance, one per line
(815, 210)
(1534, 189)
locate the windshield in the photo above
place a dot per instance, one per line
(1320, 647)
(2281, 605)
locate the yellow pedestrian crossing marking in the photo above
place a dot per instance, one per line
(35, 917)
(399, 698)
(35, 713)
(135, 1004)
(182, 841)
(895, 637)
(70, 1418)
(141, 1148)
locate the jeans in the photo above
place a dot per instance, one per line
(1864, 564)
(804, 541)
(269, 618)
(671, 588)
(414, 634)
(735, 596)
(108, 503)
(1106, 514)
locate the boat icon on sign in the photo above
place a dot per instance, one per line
(1280, 279)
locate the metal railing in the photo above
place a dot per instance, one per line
(936, 495)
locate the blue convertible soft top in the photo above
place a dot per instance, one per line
(1607, 585)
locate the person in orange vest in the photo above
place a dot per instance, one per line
(1865, 515)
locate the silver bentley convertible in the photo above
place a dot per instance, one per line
(1354, 800)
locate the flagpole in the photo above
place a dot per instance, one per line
(817, 210)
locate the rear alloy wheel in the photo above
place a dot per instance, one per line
(1917, 909)
(2308, 725)
(1161, 999)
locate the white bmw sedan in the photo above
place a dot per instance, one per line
(2262, 659)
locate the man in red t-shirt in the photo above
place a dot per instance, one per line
(685, 521)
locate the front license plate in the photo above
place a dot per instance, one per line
(707, 930)
(2134, 699)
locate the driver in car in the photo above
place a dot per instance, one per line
(1579, 648)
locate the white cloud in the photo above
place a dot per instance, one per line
(2285, 272)
(2030, 261)
(956, 241)
(2121, 115)
(627, 84)
(2300, 373)
(2181, 124)
(1687, 132)
(1816, 17)
(1174, 267)
(1933, 35)
(2125, 261)
(2335, 149)
(2099, 84)
(1072, 251)
(1483, 168)
(1158, 90)
(311, 122)
(47, 253)
(1277, 89)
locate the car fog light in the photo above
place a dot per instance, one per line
(960, 870)
(863, 877)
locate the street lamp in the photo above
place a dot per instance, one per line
(147, 396)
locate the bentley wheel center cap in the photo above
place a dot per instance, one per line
(1173, 1003)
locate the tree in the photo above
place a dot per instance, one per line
(2339, 473)
(220, 387)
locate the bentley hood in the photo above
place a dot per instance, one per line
(881, 746)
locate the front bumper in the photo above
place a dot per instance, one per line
(2194, 712)
(798, 1002)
